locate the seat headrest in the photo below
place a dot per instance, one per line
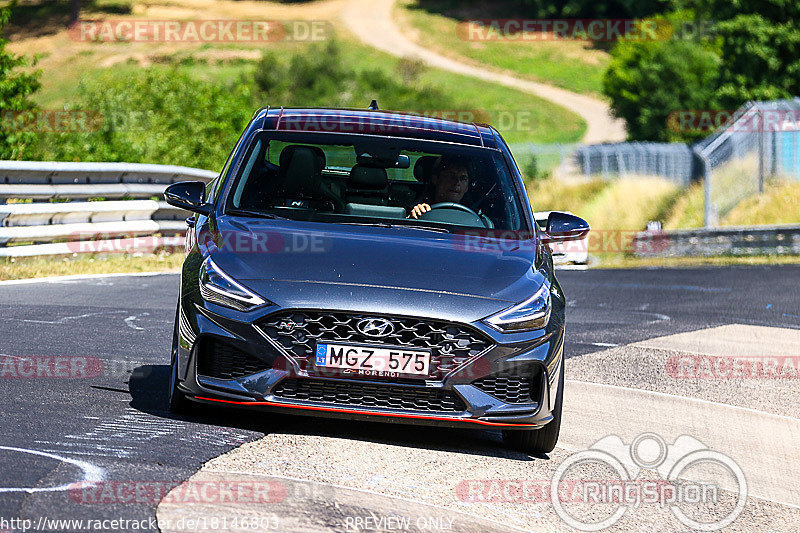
(301, 168)
(368, 177)
(424, 167)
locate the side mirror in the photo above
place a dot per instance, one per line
(188, 195)
(562, 227)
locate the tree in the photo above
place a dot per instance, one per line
(161, 116)
(74, 11)
(648, 80)
(761, 58)
(752, 53)
(574, 8)
(16, 108)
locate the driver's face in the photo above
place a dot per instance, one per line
(451, 184)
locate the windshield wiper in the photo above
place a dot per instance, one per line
(256, 214)
(438, 229)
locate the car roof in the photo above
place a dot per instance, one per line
(375, 122)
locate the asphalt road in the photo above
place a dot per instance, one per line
(107, 417)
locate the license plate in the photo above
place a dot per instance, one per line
(377, 361)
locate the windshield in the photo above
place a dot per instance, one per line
(376, 180)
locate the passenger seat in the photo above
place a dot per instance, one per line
(367, 185)
(300, 175)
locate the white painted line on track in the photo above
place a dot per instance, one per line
(131, 319)
(91, 474)
(65, 319)
(763, 444)
(675, 396)
(80, 277)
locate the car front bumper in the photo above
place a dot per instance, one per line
(458, 398)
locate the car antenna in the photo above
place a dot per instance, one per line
(373, 105)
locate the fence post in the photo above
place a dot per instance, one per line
(708, 218)
(761, 154)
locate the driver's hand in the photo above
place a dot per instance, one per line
(418, 210)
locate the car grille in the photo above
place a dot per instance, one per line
(450, 344)
(364, 395)
(509, 388)
(220, 360)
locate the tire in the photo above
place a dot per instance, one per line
(543, 440)
(178, 403)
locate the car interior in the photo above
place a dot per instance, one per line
(297, 180)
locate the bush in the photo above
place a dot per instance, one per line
(165, 115)
(321, 77)
(647, 80)
(161, 116)
(532, 172)
(15, 104)
(752, 53)
(761, 58)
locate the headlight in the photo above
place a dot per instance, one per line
(217, 287)
(533, 313)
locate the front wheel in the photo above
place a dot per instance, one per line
(178, 403)
(543, 440)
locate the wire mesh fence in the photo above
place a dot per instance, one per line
(760, 142)
(755, 144)
(537, 160)
(672, 161)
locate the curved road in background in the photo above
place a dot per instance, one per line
(372, 22)
(110, 422)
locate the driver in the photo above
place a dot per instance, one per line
(450, 179)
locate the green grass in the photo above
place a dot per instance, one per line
(778, 204)
(541, 121)
(626, 204)
(556, 195)
(687, 212)
(573, 65)
(38, 267)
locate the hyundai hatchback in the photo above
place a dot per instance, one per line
(372, 265)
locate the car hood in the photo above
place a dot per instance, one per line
(300, 264)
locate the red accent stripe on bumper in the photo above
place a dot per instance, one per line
(371, 413)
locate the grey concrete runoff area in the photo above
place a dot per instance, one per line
(664, 366)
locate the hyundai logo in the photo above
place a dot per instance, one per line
(375, 327)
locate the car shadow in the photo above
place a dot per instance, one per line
(148, 387)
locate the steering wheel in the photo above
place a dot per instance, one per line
(454, 205)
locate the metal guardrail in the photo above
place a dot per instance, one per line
(112, 225)
(57, 172)
(730, 241)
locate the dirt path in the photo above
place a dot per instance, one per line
(371, 21)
